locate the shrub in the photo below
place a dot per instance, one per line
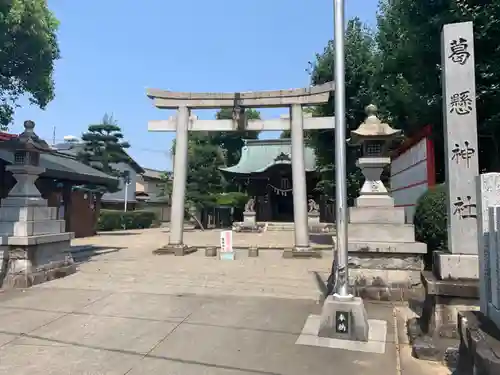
(233, 199)
(116, 220)
(431, 217)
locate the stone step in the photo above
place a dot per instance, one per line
(381, 232)
(387, 247)
(383, 215)
(280, 228)
(32, 228)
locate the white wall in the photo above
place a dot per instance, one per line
(409, 177)
(120, 194)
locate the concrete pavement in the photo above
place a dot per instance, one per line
(71, 331)
(130, 312)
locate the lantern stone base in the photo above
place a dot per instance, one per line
(375, 201)
(33, 245)
(33, 260)
(384, 257)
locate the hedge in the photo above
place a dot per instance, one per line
(116, 220)
(430, 220)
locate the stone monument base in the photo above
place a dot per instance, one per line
(29, 261)
(456, 266)
(175, 249)
(356, 318)
(301, 252)
(434, 334)
(443, 300)
(479, 351)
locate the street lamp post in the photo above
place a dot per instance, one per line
(341, 289)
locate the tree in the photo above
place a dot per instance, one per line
(166, 186)
(204, 180)
(232, 142)
(410, 60)
(360, 64)
(104, 146)
(29, 49)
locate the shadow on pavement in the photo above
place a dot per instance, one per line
(87, 252)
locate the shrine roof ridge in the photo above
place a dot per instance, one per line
(307, 91)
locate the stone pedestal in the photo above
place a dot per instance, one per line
(249, 219)
(344, 319)
(313, 219)
(385, 261)
(34, 246)
(174, 249)
(249, 224)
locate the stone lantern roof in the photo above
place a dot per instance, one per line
(373, 129)
(27, 140)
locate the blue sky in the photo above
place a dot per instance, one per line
(112, 50)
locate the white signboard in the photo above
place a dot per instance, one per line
(226, 244)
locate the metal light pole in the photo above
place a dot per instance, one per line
(340, 152)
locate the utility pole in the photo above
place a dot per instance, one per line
(339, 309)
(340, 151)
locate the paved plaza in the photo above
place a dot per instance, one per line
(127, 311)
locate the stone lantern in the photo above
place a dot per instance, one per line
(33, 241)
(375, 138)
(25, 167)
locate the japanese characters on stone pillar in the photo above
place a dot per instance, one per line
(461, 159)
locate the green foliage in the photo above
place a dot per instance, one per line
(232, 142)
(360, 50)
(204, 179)
(430, 219)
(116, 220)
(409, 80)
(29, 49)
(166, 185)
(233, 199)
(104, 146)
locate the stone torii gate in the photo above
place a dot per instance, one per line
(183, 122)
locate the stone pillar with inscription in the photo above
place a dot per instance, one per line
(461, 157)
(453, 286)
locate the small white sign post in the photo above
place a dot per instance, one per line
(226, 245)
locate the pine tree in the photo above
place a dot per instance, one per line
(104, 146)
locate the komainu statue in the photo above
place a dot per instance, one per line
(313, 206)
(250, 205)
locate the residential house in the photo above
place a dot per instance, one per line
(126, 192)
(149, 191)
(69, 185)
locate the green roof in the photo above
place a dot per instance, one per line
(258, 155)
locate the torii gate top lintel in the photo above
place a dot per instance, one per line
(276, 98)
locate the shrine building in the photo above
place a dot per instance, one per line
(265, 168)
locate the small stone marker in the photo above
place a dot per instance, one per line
(253, 252)
(211, 251)
(342, 322)
(226, 245)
